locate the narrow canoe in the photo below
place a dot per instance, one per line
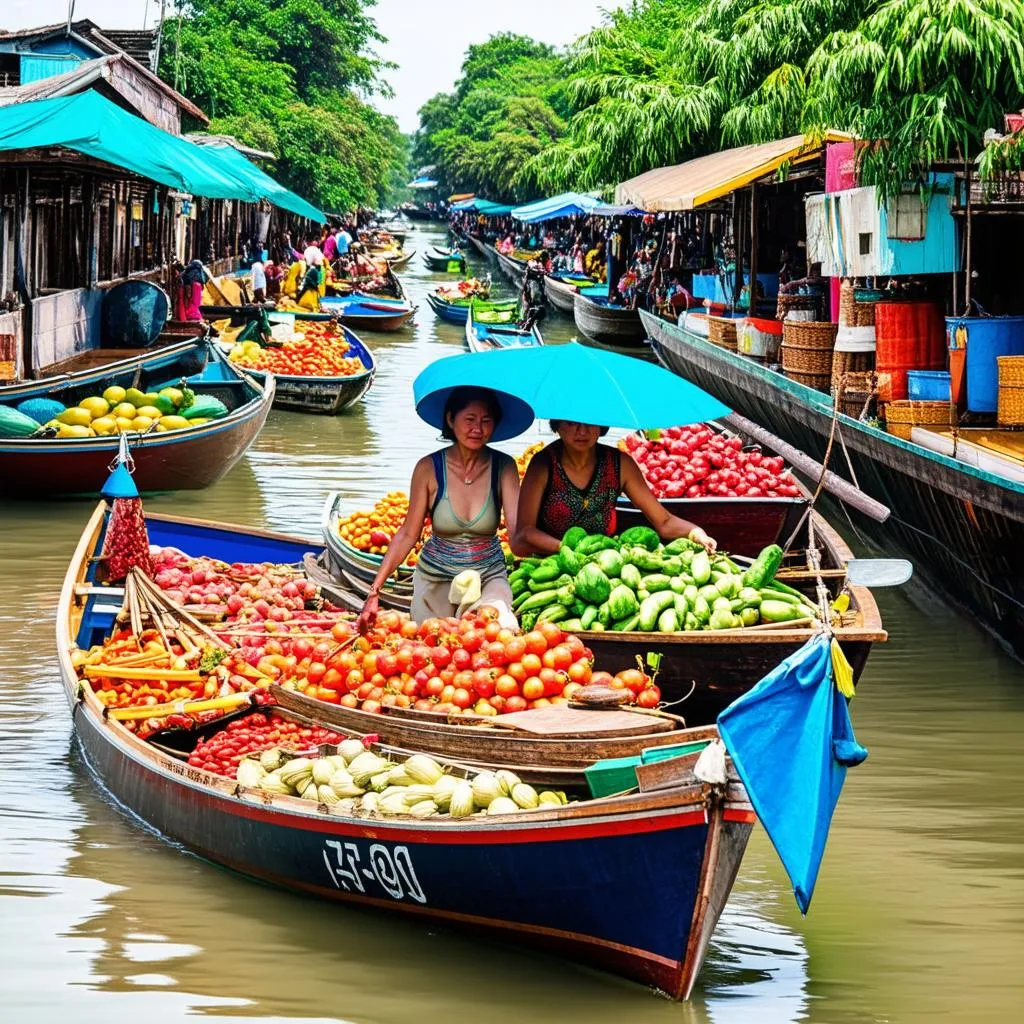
(607, 323)
(513, 269)
(175, 460)
(560, 293)
(480, 246)
(456, 312)
(324, 395)
(483, 337)
(368, 313)
(631, 884)
(444, 262)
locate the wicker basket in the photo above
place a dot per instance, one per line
(722, 331)
(847, 363)
(1010, 407)
(854, 392)
(851, 312)
(785, 303)
(817, 381)
(903, 415)
(807, 352)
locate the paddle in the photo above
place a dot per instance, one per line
(867, 572)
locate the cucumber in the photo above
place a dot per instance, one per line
(668, 621)
(652, 607)
(626, 625)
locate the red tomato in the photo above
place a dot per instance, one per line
(536, 642)
(580, 672)
(462, 698)
(532, 664)
(649, 697)
(440, 656)
(533, 689)
(515, 648)
(514, 704)
(552, 633)
(506, 686)
(601, 679)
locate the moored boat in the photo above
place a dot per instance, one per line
(327, 395)
(485, 337)
(514, 269)
(561, 290)
(364, 312)
(607, 323)
(183, 459)
(963, 525)
(480, 246)
(633, 884)
(456, 311)
(445, 261)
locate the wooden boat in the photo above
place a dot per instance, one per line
(484, 337)
(176, 460)
(480, 246)
(368, 313)
(445, 262)
(561, 290)
(514, 269)
(962, 525)
(112, 365)
(400, 260)
(413, 212)
(325, 395)
(486, 311)
(633, 884)
(606, 323)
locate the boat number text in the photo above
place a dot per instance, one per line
(388, 867)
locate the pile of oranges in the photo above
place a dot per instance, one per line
(522, 461)
(372, 531)
(321, 352)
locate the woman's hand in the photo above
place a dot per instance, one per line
(709, 544)
(368, 616)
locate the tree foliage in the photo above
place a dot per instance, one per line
(508, 106)
(286, 78)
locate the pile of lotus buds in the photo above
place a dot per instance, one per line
(366, 783)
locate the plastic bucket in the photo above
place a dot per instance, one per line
(985, 338)
(908, 336)
(759, 338)
(928, 385)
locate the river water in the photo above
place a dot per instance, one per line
(918, 914)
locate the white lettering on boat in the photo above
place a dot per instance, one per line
(390, 868)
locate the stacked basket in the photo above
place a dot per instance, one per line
(722, 331)
(797, 303)
(902, 415)
(807, 352)
(1010, 408)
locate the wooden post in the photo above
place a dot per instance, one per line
(752, 301)
(968, 262)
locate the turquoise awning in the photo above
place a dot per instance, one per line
(567, 204)
(92, 125)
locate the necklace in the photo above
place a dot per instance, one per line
(469, 478)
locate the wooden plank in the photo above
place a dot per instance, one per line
(559, 720)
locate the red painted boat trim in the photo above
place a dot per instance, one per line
(735, 814)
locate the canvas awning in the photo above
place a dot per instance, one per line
(92, 125)
(697, 182)
(568, 204)
(484, 206)
(459, 197)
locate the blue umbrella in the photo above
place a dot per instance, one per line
(573, 382)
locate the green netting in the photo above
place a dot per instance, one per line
(92, 125)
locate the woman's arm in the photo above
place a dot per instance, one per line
(510, 495)
(528, 538)
(404, 540)
(666, 525)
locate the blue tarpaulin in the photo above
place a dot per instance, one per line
(791, 740)
(90, 124)
(568, 204)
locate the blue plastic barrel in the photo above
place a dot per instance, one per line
(987, 338)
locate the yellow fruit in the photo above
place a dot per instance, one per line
(124, 411)
(104, 425)
(142, 423)
(174, 394)
(174, 422)
(198, 421)
(114, 394)
(151, 398)
(149, 410)
(74, 430)
(75, 416)
(135, 396)
(97, 406)
(124, 422)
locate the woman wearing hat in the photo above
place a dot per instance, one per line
(463, 488)
(576, 482)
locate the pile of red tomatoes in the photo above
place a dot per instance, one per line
(697, 462)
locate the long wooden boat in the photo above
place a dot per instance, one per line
(561, 292)
(480, 245)
(369, 314)
(489, 312)
(485, 337)
(962, 525)
(513, 269)
(413, 212)
(185, 459)
(400, 260)
(445, 262)
(324, 395)
(113, 365)
(633, 884)
(606, 323)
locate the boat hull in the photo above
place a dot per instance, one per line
(963, 527)
(560, 295)
(607, 325)
(514, 270)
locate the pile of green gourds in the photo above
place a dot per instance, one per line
(633, 582)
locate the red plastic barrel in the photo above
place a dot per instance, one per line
(908, 336)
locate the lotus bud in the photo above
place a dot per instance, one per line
(423, 809)
(460, 803)
(272, 759)
(525, 796)
(507, 781)
(423, 769)
(342, 784)
(485, 788)
(326, 795)
(350, 750)
(502, 805)
(322, 771)
(368, 803)
(249, 773)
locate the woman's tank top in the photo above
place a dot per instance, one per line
(563, 504)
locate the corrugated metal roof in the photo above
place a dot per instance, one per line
(690, 185)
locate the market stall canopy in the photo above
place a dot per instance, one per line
(459, 197)
(423, 181)
(92, 125)
(690, 185)
(606, 389)
(568, 204)
(608, 210)
(484, 206)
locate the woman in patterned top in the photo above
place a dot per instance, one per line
(575, 482)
